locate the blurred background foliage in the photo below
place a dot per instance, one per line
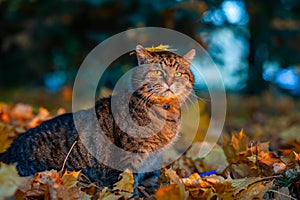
(256, 44)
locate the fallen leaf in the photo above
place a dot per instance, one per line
(214, 160)
(240, 141)
(21, 112)
(169, 192)
(194, 180)
(5, 141)
(4, 112)
(237, 145)
(43, 115)
(256, 190)
(107, 194)
(174, 178)
(126, 183)
(282, 194)
(70, 179)
(9, 180)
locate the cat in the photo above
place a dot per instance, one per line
(162, 81)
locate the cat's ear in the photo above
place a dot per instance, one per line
(142, 54)
(189, 56)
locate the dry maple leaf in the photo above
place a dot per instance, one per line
(49, 185)
(9, 180)
(169, 192)
(237, 145)
(126, 184)
(176, 190)
(123, 189)
(270, 163)
(70, 179)
(240, 142)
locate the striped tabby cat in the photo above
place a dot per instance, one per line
(160, 89)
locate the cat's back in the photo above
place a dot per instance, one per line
(38, 144)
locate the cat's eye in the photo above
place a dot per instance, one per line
(157, 72)
(178, 74)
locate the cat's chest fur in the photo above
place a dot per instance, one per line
(139, 127)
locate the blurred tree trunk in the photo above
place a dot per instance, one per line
(261, 14)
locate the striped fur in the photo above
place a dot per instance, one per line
(46, 146)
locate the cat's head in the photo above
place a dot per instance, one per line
(163, 75)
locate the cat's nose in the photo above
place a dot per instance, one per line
(169, 82)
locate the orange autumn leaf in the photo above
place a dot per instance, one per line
(169, 192)
(50, 185)
(234, 147)
(60, 111)
(193, 180)
(240, 141)
(4, 113)
(297, 157)
(43, 115)
(268, 158)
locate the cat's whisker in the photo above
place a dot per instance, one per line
(188, 99)
(191, 101)
(185, 104)
(205, 100)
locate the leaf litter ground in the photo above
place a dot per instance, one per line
(256, 158)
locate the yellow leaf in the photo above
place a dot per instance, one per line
(126, 184)
(105, 194)
(9, 180)
(193, 180)
(5, 142)
(159, 48)
(70, 179)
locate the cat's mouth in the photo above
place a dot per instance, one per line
(168, 93)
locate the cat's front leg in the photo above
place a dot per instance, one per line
(148, 180)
